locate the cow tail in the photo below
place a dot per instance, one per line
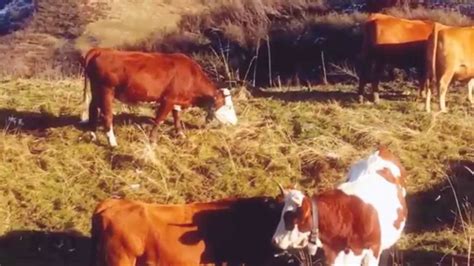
(86, 97)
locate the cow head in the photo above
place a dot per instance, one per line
(296, 222)
(225, 111)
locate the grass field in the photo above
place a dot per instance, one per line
(52, 175)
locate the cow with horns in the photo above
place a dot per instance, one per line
(354, 222)
(174, 81)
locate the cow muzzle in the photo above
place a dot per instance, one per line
(226, 113)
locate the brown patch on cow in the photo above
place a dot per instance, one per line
(304, 215)
(346, 223)
(402, 212)
(387, 155)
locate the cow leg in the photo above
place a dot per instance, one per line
(378, 68)
(177, 120)
(93, 114)
(428, 88)
(443, 89)
(366, 71)
(422, 83)
(161, 113)
(107, 112)
(470, 88)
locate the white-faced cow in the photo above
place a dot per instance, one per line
(233, 231)
(450, 56)
(354, 222)
(174, 81)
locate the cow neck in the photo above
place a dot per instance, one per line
(313, 236)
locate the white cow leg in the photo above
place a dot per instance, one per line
(85, 112)
(443, 89)
(428, 100)
(470, 88)
(85, 116)
(370, 259)
(111, 137)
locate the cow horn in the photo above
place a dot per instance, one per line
(282, 190)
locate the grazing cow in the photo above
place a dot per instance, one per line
(450, 55)
(133, 233)
(174, 81)
(391, 40)
(356, 221)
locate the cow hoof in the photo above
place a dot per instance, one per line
(89, 137)
(361, 99)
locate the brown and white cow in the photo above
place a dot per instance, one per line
(134, 233)
(391, 40)
(450, 56)
(174, 81)
(356, 221)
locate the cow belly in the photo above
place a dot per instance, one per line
(135, 95)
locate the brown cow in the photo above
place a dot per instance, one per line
(133, 233)
(356, 221)
(391, 40)
(450, 55)
(174, 81)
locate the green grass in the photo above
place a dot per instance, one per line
(52, 179)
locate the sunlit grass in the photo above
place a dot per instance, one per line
(51, 179)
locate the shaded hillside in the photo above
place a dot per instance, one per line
(13, 14)
(265, 41)
(37, 47)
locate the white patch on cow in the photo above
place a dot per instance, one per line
(93, 136)
(226, 113)
(349, 259)
(177, 108)
(84, 117)
(363, 168)
(365, 183)
(283, 238)
(111, 137)
(86, 100)
(470, 88)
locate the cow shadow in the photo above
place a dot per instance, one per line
(437, 208)
(42, 248)
(345, 98)
(13, 121)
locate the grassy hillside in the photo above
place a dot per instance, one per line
(52, 175)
